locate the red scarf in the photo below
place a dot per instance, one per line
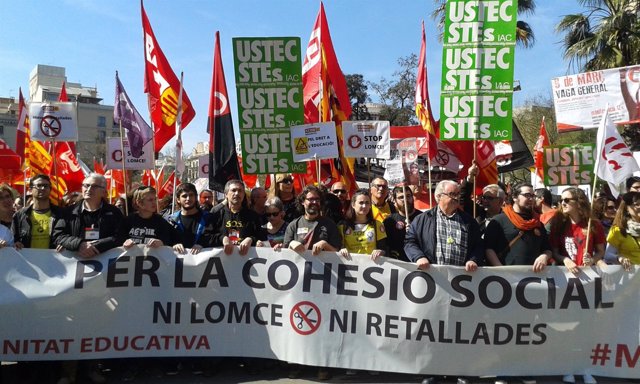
(519, 222)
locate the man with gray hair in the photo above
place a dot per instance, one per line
(91, 226)
(492, 200)
(445, 235)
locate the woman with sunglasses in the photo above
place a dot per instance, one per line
(568, 232)
(604, 209)
(276, 225)
(624, 235)
(360, 232)
(285, 191)
(568, 238)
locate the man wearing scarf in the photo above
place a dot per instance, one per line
(516, 236)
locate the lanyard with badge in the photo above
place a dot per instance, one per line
(92, 233)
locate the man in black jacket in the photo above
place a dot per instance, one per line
(445, 235)
(235, 223)
(32, 226)
(91, 226)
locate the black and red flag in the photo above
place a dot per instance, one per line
(223, 159)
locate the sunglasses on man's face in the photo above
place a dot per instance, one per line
(286, 181)
(272, 214)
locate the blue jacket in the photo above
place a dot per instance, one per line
(421, 238)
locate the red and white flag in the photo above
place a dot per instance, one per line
(162, 87)
(538, 154)
(614, 160)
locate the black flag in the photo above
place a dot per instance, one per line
(223, 159)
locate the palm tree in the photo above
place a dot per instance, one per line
(605, 35)
(524, 34)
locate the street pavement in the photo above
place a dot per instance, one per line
(230, 372)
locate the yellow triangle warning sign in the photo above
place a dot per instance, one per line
(302, 145)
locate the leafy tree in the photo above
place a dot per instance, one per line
(398, 95)
(358, 96)
(524, 34)
(605, 35)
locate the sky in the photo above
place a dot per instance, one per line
(93, 39)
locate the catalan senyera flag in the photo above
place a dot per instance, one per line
(538, 153)
(423, 105)
(325, 93)
(162, 87)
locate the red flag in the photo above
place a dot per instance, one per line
(223, 159)
(64, 98)
(98, 168)
(325, 94)
(167, 187)
(63, 93)
(21, 132)
(485, 159)
(8, 158)
(423, 105)
(162, 87)
(67, 166)
(538, 150)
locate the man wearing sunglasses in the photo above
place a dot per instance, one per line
(340, 190)
(380, 206)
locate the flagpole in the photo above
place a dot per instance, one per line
(369, 171)
(595, 179)
(473, 191)
(406, 210)
(124, 172)
(178, 170)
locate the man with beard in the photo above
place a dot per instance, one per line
(396, 224)
(32, 226)
(311, 231)
(516, 236)
(193, 223)
(380, 207)
(235, 223)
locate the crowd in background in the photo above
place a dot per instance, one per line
(504, 225)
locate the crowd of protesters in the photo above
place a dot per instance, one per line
(504, 225)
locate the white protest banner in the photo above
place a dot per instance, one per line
(53, 121)
(580, 99)
(366, 139)
(114, 155)
(314, 141)
(318, 310)
(203, 166)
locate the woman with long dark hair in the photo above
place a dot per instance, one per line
(360, 232)
(624, 234)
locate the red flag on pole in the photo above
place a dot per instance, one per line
(423, 105)
(325, 93)
(223, 159)
(167, 187)
(65, 98)
(538, 153)
(162, 87)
